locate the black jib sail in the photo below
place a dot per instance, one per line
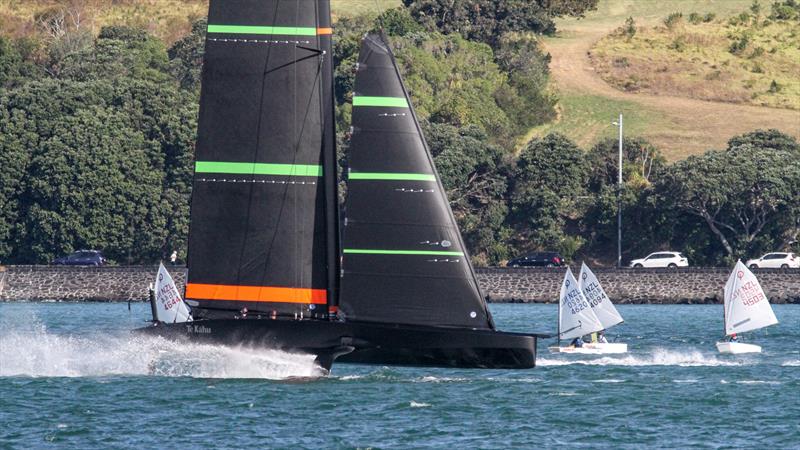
(263, 225)
(403, 257)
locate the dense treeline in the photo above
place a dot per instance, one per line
(97, 135)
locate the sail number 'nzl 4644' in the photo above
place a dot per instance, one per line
(169, 296)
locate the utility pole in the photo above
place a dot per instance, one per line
(619, 197)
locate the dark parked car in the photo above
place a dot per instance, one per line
(541, 259)
(82, 258)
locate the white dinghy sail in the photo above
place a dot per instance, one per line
(598, 299)
(575, 316)
(747, 308)
(169, 307)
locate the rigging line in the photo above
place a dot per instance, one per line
(256, 150)
(274, 69)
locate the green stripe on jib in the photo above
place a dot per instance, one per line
(238, 168)
(253, 29)
(391, 176)
(364, 251)
(392, 102)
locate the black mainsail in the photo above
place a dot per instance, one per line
(403, 257)
(264, 225)
(263, 218)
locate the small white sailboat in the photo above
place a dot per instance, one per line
(166, 301)
(575, 317)
(605, 311)
(747, 308)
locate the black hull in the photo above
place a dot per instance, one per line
(365, 343)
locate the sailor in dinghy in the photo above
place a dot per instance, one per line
(605, 311)
(575, 317)
(746, 308)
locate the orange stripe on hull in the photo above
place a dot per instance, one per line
(321, 31)
(255, 293)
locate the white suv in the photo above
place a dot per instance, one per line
(775, 261)
(661, 259)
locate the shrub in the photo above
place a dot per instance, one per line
(673, 20)
(709, 17)
(695, 18)
(679, 43)
(739, 45)
(629, 30)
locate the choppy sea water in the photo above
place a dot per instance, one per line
(72, 376)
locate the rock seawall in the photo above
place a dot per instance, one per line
(37, 283)
(685, 285)
(512, 285)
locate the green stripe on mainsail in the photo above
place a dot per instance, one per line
(395, 102)
(252, 29)
(363, 251)
(391, 176)
(238, 168)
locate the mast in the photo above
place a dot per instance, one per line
(329, 164)
(558, 330)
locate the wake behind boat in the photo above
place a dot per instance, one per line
(266, 265)
(746, 308)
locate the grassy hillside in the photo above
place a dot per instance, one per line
(167, 19)
(744, 59)
(678, 125)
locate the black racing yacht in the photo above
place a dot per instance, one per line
(270, 263)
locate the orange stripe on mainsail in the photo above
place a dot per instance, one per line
(324, 31)
(255, 293)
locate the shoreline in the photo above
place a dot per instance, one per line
(693, 285)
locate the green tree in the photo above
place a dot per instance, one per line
(118, 52)
(487, 20)
(65, 143)
(766, 139)
(91, 185)
(548, 182)
(455, 81)
(645, 224)
(527, 66)
(475, 175)
(186, 57)
(746, 196)
(17, 62)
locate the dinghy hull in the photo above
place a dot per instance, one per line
(364, 343)
(592, 349)
(737, 348)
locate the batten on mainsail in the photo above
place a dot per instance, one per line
(591, 288)
(264, 227)
(403, 257)
(747, 307)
